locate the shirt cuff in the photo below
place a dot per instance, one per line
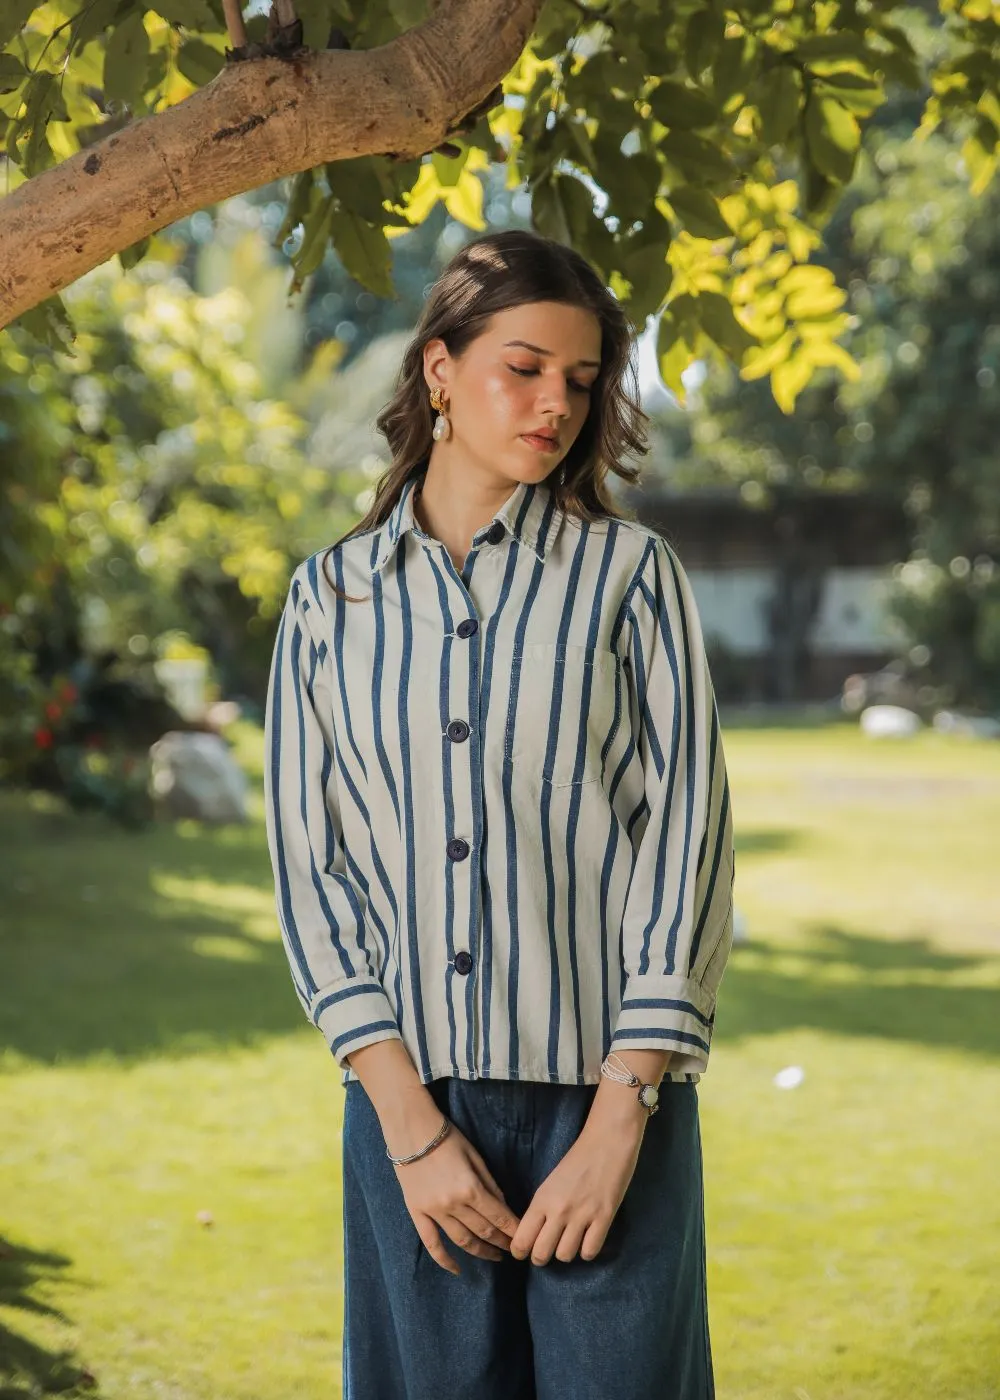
(351, 1014)
(672, 1013)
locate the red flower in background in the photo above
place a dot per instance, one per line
(53, 710)
(43, 738)
(69, 692)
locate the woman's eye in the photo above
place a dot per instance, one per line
(526, 373)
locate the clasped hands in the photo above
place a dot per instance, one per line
(452, 1189)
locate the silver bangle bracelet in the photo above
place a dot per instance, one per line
(441, 1132)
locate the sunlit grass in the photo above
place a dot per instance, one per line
(169, 1124)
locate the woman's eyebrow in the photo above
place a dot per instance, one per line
(526, 345)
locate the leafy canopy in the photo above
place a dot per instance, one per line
(693, 152)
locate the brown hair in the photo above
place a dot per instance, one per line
(492, 274)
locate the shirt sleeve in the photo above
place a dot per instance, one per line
(321, 911)
(677, 929)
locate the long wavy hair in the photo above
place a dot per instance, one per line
(492, 274)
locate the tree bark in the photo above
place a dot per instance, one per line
(258, 120)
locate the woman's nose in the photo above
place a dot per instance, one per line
(554, 398)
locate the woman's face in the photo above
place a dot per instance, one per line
(520, 393)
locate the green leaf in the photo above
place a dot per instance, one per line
(813, 303)
(980, 156)
(898, 69)
(548, 214)
(632, 182)
(859, 94)
(677, 105)
(727, 70)
(649, 276)
(788, 381)
(12, 72)
(43, 103)
(719, 322)
(199, 62)
(134, 254)
(356, 184)
(562, 208)
(49, 322)
(699, 212)
(481, 137)
(408, 13)
(841, 45)
(93, 20)
(759, 362)
(364, 250)
(315, 238)
(16, 14)
(298, 206)
(704, 34)
(126, 59)
(779, 105)
(673, 352)
(833, 137)
(193, 14)
(317, 21)
(449, 168)
(578, 138)
(699, 161)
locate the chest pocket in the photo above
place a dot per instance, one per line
(565, 706)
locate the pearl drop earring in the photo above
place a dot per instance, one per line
(442, 428)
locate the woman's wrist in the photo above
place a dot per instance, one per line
(403, 1104)
(616, 1110)
(616, 1106)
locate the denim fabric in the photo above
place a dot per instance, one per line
(630, 1324)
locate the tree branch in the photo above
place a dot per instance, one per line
(256, 121)
(235, 27)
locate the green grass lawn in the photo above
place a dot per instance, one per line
(156, 1065)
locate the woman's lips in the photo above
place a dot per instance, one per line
(540, 444)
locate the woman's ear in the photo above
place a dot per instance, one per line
(437, 364)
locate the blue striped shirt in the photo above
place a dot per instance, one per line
(497, 804)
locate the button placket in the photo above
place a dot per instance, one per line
(458, 848)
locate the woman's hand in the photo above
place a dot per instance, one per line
(572, 1210)
(452, 1188)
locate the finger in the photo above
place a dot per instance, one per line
(486, 1176)
(481, 1225)
(466, 1237)
(524, 1237)
(546, 1241)
(507, 1221)
(594, 1237)
(492, 1205)
(569, 1243)
(430, 1237)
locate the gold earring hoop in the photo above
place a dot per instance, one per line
(442, 428)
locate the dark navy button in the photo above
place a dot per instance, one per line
(467, 626)
(496, 532)
(463, 963)
(458, 730)
(457, 848)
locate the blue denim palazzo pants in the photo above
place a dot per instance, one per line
(630, 1324)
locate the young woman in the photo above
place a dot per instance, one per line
(499, 820)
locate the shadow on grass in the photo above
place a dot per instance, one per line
(28, 1370)
(135, 944)
(166, 942)
(855, 985)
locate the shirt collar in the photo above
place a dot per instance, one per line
(529, 514)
